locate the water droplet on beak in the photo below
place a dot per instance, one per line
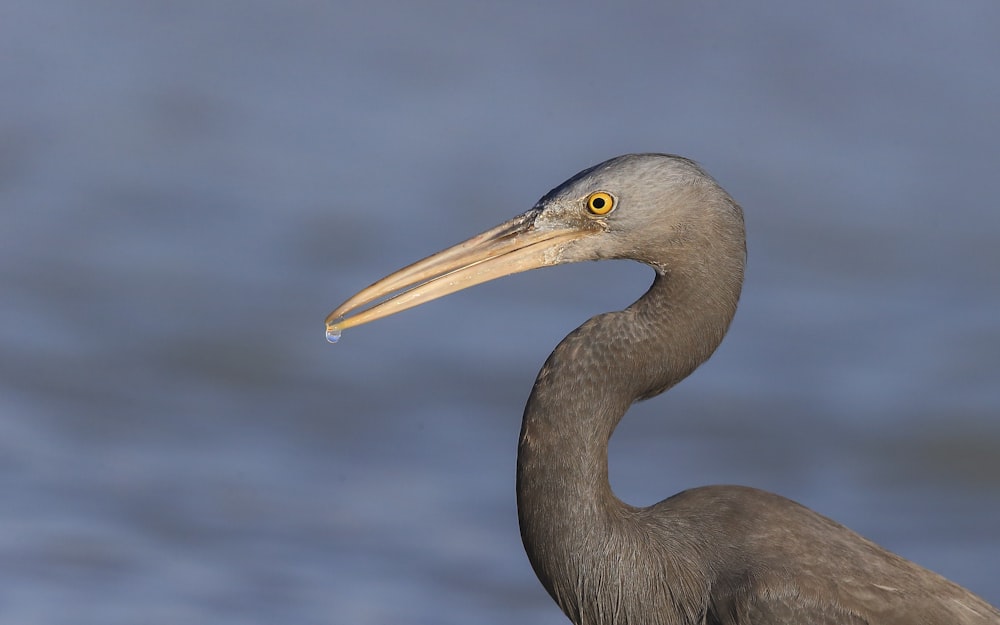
(333, 331)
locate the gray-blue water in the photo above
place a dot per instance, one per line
(188, 188)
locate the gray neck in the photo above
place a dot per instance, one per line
(568, 513)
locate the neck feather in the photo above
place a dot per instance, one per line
(568, 513)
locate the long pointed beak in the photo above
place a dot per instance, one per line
(511, 247)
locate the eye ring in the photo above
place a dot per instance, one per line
(600, 203)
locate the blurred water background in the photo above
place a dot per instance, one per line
(187, 188)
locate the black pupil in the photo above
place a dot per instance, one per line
(598, 203)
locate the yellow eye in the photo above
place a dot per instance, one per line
(600, 203)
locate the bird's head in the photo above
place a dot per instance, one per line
(654, 208)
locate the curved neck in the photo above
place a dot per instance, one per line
(567, 511)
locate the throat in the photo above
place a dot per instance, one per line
(562, 467)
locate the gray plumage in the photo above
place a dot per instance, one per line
(712, 555)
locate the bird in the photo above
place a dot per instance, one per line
(712, 555)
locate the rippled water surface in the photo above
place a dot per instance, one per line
(188, 188)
